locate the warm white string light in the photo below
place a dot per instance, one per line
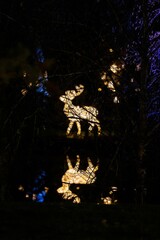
(74, 175)
(76, 113)
(109, 82)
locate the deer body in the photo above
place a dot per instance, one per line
(75, 176)
(76, 113)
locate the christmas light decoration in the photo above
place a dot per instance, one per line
(74, 175)
(76, 113)
(109, 82)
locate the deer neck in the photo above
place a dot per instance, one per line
(67, 106)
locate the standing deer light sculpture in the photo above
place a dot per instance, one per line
(75, 176)
(76, 113)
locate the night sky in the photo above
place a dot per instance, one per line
(57, 23)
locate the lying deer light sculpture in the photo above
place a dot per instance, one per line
(76, 113)
(75, 176)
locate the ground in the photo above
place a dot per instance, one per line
(27, 221)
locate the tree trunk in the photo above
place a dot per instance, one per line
(141, 172)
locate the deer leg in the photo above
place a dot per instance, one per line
(77, 163)
(89, 162)
(69, 127)
(90, 166)
(97, 123)
(78, 127)
(99, 128)
(91, 125)
(69, 163)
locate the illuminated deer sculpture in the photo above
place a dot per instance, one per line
(76, 113)
(75, 176)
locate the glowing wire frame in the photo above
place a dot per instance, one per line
(74, 175)
(76, 113)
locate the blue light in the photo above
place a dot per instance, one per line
(40, 197)
(134, 56)
(42, 79)
(38, 191)
(159, 54)
(40, 55)
(40, 88)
